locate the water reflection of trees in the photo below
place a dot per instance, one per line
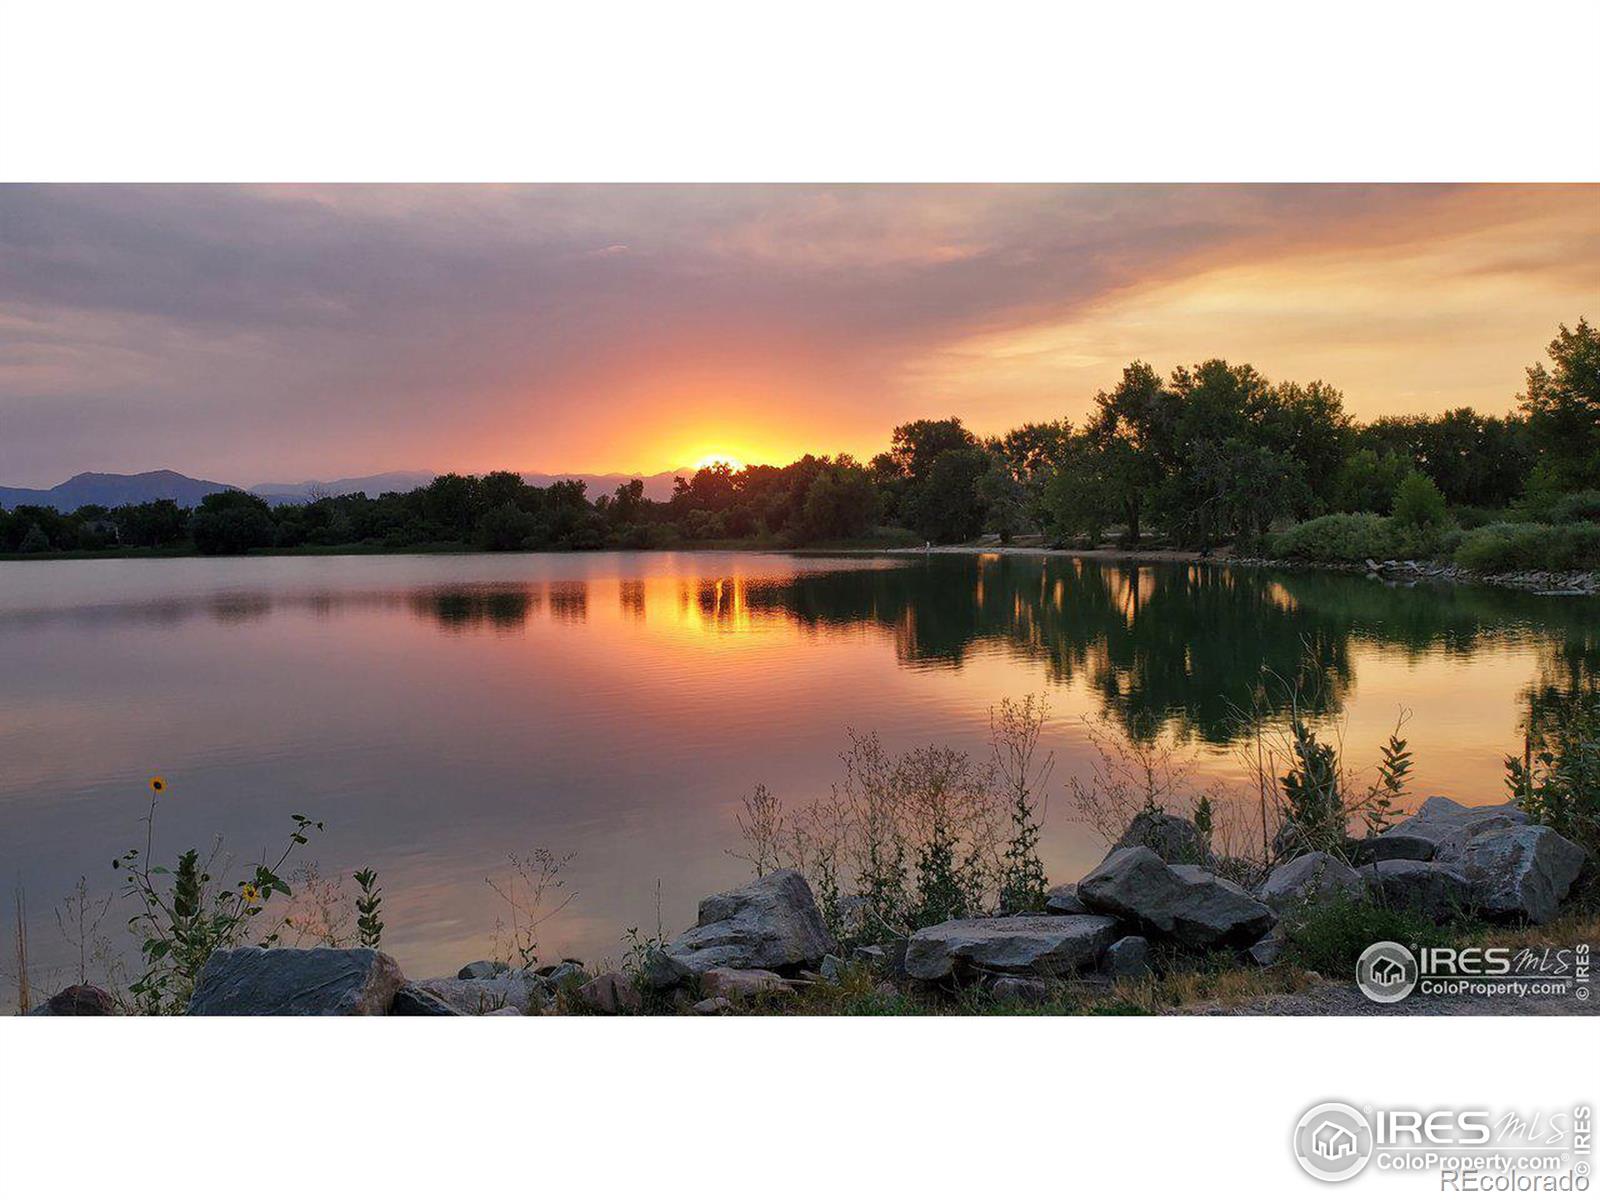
(1181, 646)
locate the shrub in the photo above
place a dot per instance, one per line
(1468, 516)
(1418, 503)
(1524, 547)
(1576, 507)
(1328, 935)
(1338, 537)
(1557, 781)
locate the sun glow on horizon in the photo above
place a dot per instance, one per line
(711, 460)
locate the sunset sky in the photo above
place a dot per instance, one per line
(287, 332)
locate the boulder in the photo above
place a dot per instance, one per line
(772, 924)
(833, 968)
(508, 1011)
(1439, 891)
(1184, 902)
(1128, 957)
(1269, 949)
(613, 994)
(1314, 876)
(564, 974)
(1440, 829)
(77, 1000)
(1521, 872)
(1173, 838)
(483, 968)
(412, 1001)
(1028, 944)
(737, 984)
(476, 997)
(320, 982)
(712, 1007)
(1020, 989)
(1063, 901)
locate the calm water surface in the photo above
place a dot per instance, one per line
(439, 713)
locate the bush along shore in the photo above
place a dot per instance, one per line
(949, 909)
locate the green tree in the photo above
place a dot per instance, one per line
(918, 445)
(1085, 495)
(841, 503)
(505, 527)
(35, 541)
(1366, 482)
(946, 507)
(1562, 404)
(1003, 499)
(449, 502)
(232, 523)
(1419, 504)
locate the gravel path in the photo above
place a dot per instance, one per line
(1345, 1000)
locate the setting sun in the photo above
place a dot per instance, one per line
(712, 459)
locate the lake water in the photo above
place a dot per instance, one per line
(439, 713)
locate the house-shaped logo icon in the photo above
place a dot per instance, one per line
(1387, 972)
(1333, 1142)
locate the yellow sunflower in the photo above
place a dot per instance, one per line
(158, 783)
(250, 892)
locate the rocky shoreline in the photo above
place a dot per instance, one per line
(1158, 894)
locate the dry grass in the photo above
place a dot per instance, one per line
(1228, 987)
(1568, 929)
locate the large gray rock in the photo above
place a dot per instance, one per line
(772, 924)
(1440, 829)
(738, 984)
(476, 997)
(564, 974)
(412, 1001)
(1522, 872)
(1183, 902)
(1027, 944)
(283, 982)
(1175, 839)
(483, 968)
(1063, 901)
(1128, 958)
(1269, 949)
(612, 994)
(1314, 876)
(1437, 890)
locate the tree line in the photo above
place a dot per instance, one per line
(1210, 454)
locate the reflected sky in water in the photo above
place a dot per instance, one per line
(440, 712)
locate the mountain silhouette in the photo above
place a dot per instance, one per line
(99, 487)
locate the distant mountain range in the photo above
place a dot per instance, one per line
(95, 487)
